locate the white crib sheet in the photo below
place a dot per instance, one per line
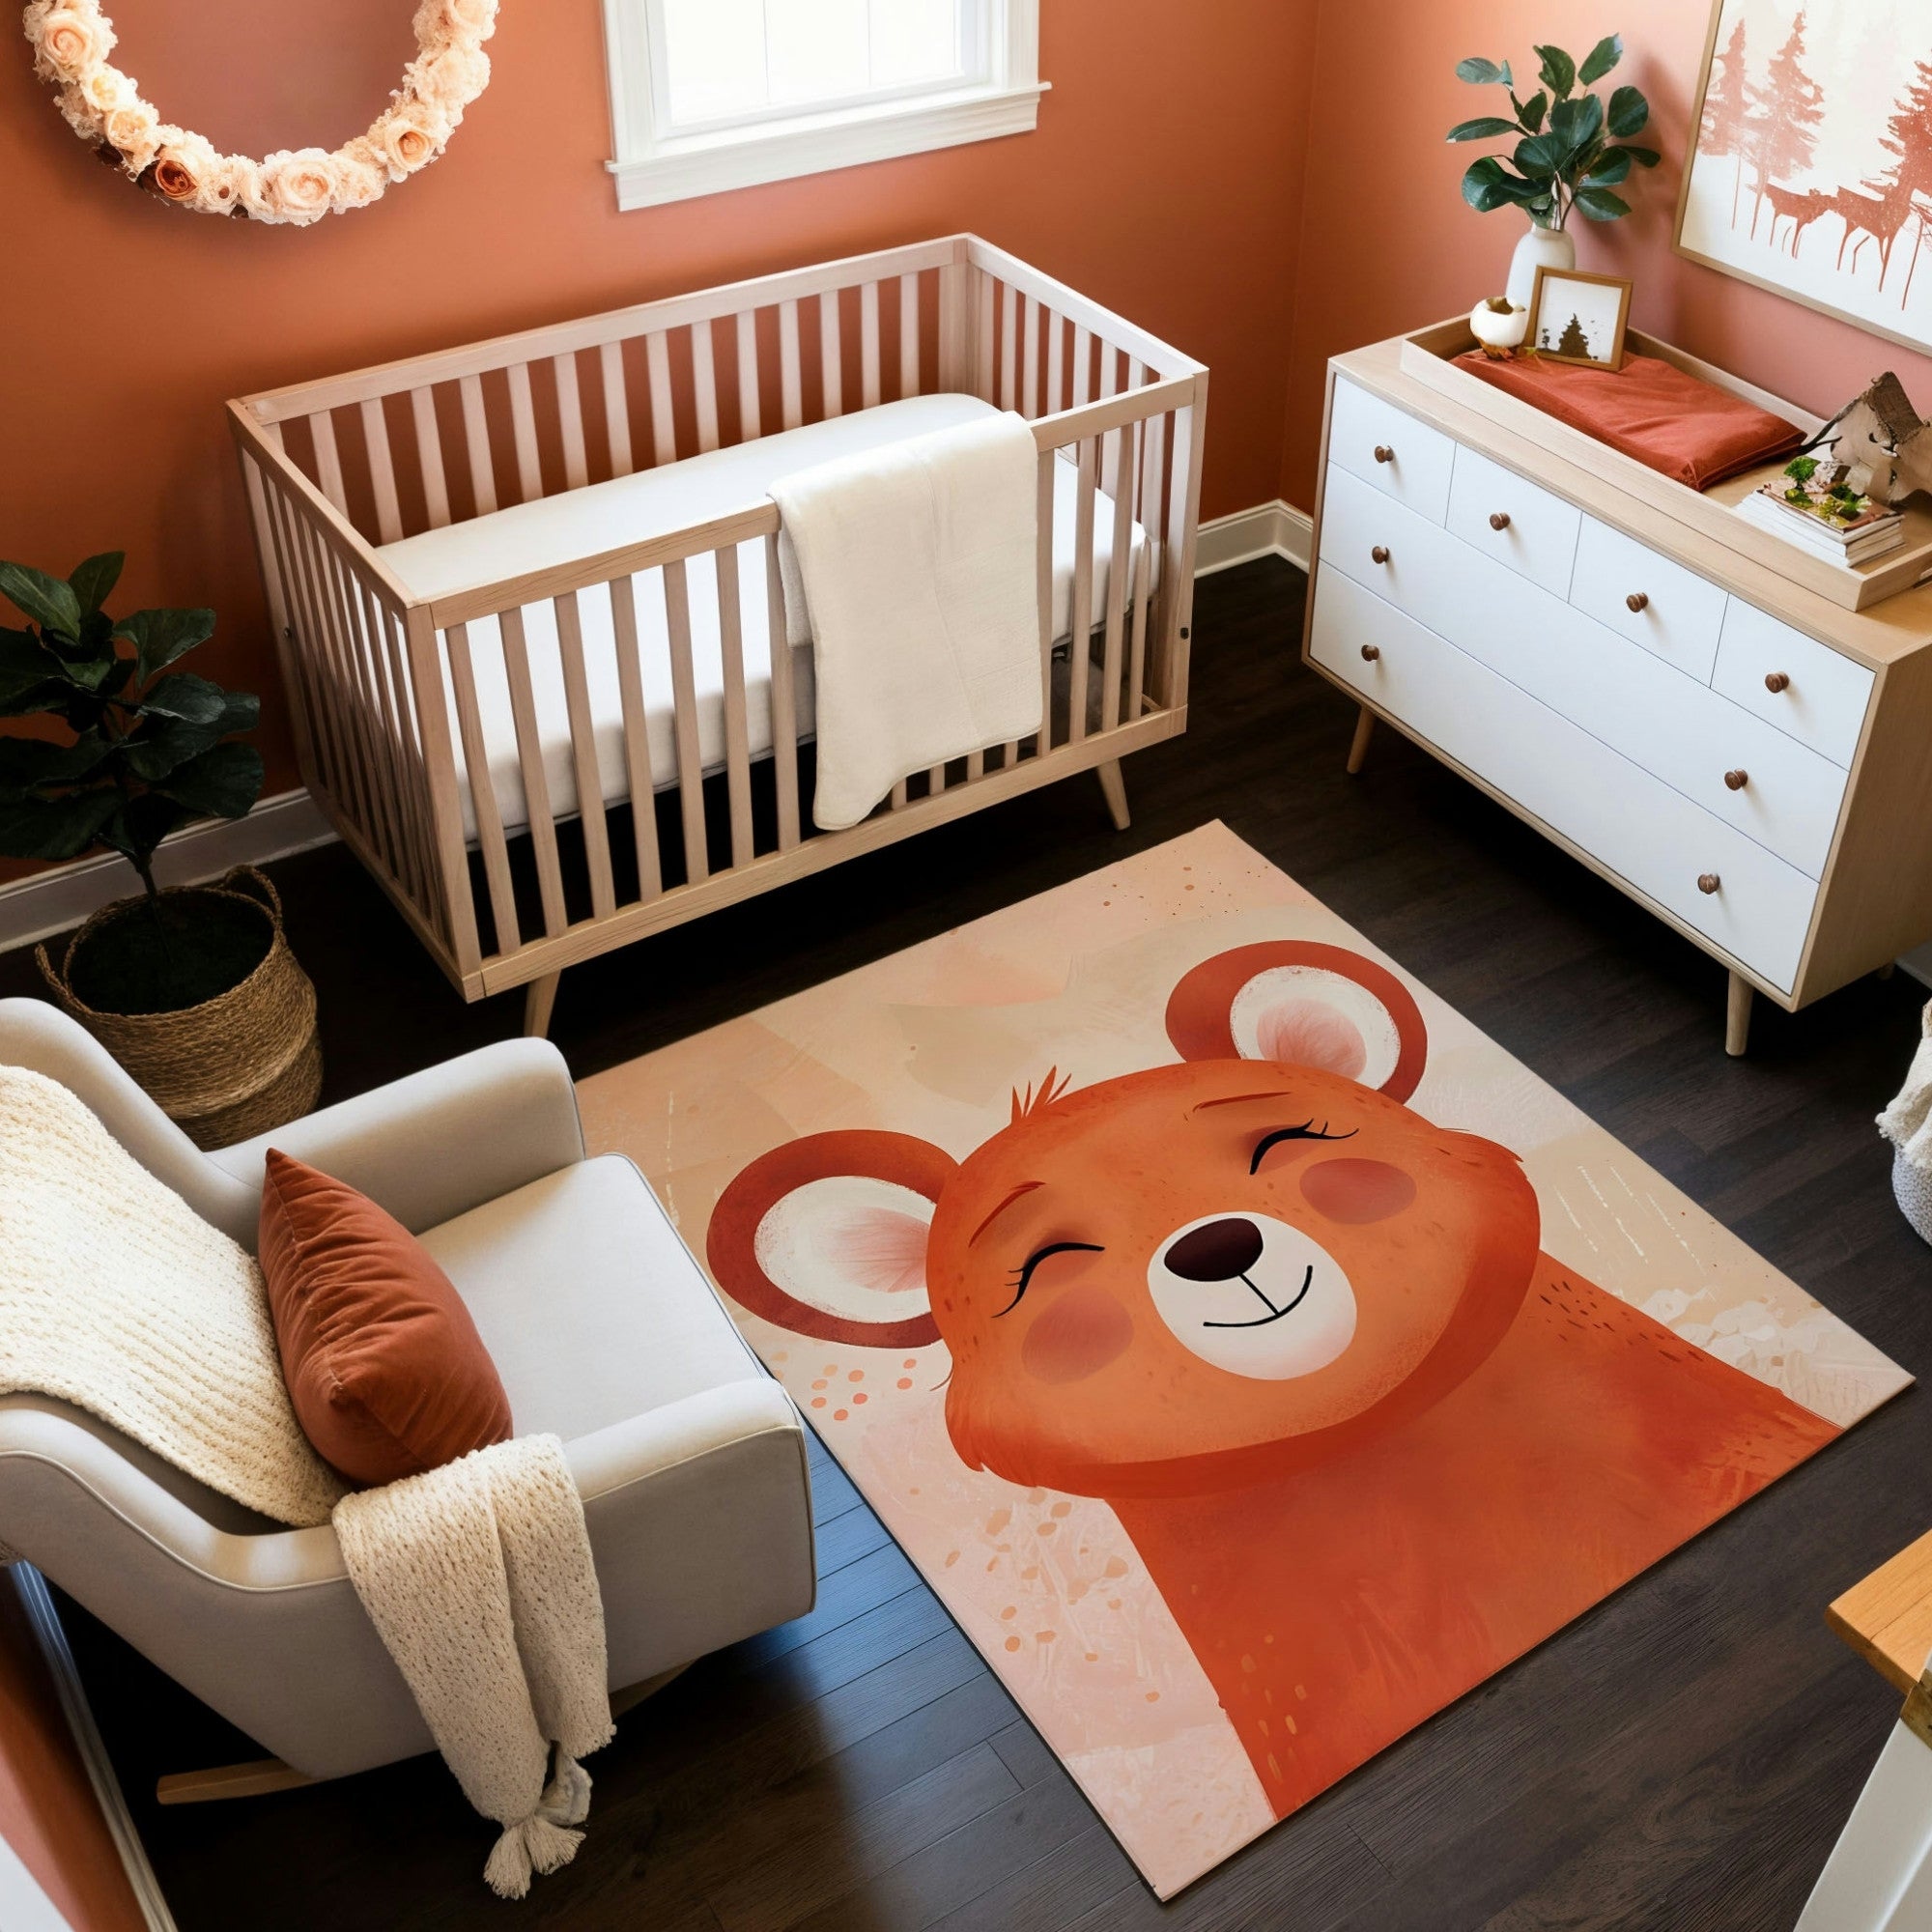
(583, 523)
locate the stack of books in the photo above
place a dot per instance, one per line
(1876, 530)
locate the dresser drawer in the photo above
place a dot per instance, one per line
(1644, 832)
(1648, 599)
(1696, 741)
(1387, 448)
(1802, 686)
(1514, 521)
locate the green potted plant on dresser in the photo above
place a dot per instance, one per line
(193, 989)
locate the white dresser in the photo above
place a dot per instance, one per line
(1747, 760)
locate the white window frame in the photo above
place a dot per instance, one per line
(653, 165)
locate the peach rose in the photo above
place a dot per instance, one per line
(174, 177)
(133, 132)
(448, 80)
(360, 176)
(298, 187)
(70, 40)
(407, 137)
(105, 88)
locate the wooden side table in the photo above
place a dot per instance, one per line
(1879, 1876)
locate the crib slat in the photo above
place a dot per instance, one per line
(935, 782)
(1080, 626)
(1043, 511)
(1183, 505)
(976, 766)
(1137, 645)
(785, 703)
(868, 346)
(791, 384)
(378, 752)
(418, 809)
(354, 783)
(381, 471)
(616, 408)
(750, 428)
(663, 425)
(1110, 377)
(482, 793)
(380, 820)
(328, 460)
(1119, 564)
(570, 417)
(637, 735)
(737, 725)
(982, 338)
(1010, 345)
(899, 796)
(371, 633)
(909, 335)
(529, 756)
(1056, 361)
(684, 698)
(308, 658)
(476, 437)
(524, 423)
(831, 355)
(1083, 344)
(442, 806)
(583, 755)
(704, 381)
(429, 458)
(1030, 361)
(953, 325)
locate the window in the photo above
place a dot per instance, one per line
(707, 94)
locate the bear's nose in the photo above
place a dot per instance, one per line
(1221, 1251)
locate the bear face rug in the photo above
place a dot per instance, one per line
(1251, 1355)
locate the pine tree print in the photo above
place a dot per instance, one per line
(1726, 106)
(1574, 341)
(1784, 117)
(1909, 182)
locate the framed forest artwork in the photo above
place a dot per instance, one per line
(1810, 169)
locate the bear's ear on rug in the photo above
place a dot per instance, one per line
(1306, 1003)
(826, 1237)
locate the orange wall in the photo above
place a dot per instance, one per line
(1164, 181)
(1387, 243)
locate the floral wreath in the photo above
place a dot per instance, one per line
(71, 39)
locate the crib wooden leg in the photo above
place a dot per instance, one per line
(1358, 751)
(539, 997)
(1114, 788)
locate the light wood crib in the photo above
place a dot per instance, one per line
(525, 592)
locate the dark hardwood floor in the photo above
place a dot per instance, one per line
(1681, 1758)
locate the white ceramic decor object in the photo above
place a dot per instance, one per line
(1540, 248)
(1499, 328)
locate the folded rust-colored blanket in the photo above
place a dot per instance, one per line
(1686, 429)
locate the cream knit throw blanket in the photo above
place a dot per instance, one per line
(116, 1296)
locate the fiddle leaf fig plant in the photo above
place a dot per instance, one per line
(1573, 150)
(147, 746)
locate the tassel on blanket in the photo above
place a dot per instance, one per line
(478, 1577)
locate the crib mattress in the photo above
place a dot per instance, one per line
(558, 530)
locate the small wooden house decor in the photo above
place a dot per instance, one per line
(1880, 445)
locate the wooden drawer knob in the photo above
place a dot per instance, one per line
(1638, 600)
(1380, 553)
(1384, 453)
(1499, 520)
(1776, 681)
(1371, 652)
(1737, 779)
(1708, 882)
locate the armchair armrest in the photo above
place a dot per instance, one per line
(438, 1142)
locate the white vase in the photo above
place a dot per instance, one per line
(1540, 248)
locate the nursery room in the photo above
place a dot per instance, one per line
(966, 964)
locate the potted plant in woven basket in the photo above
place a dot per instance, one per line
(193, 989)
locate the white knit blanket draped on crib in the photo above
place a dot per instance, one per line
(117, 1296)
(1906, 1123)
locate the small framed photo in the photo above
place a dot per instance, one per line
(1579, 318)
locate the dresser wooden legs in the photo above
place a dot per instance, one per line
(539, 997)
(1358, 750)
(1737, 1016)
(1114, 787)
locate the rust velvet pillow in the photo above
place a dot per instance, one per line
(384, 1367)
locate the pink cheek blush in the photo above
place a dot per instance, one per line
(1084, 1331)
(1356, 1191)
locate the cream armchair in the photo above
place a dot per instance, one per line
(690, 1460)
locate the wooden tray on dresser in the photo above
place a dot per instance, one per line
(1429, 357)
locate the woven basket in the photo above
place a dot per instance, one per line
(237, 1064)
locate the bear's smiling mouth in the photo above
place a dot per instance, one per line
(1273, 1314)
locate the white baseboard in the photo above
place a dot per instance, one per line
(58, 900)
(1919, 963)
(44, 1622)
(1268, 530)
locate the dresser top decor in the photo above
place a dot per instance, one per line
(72, 39)
(1437, 364)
